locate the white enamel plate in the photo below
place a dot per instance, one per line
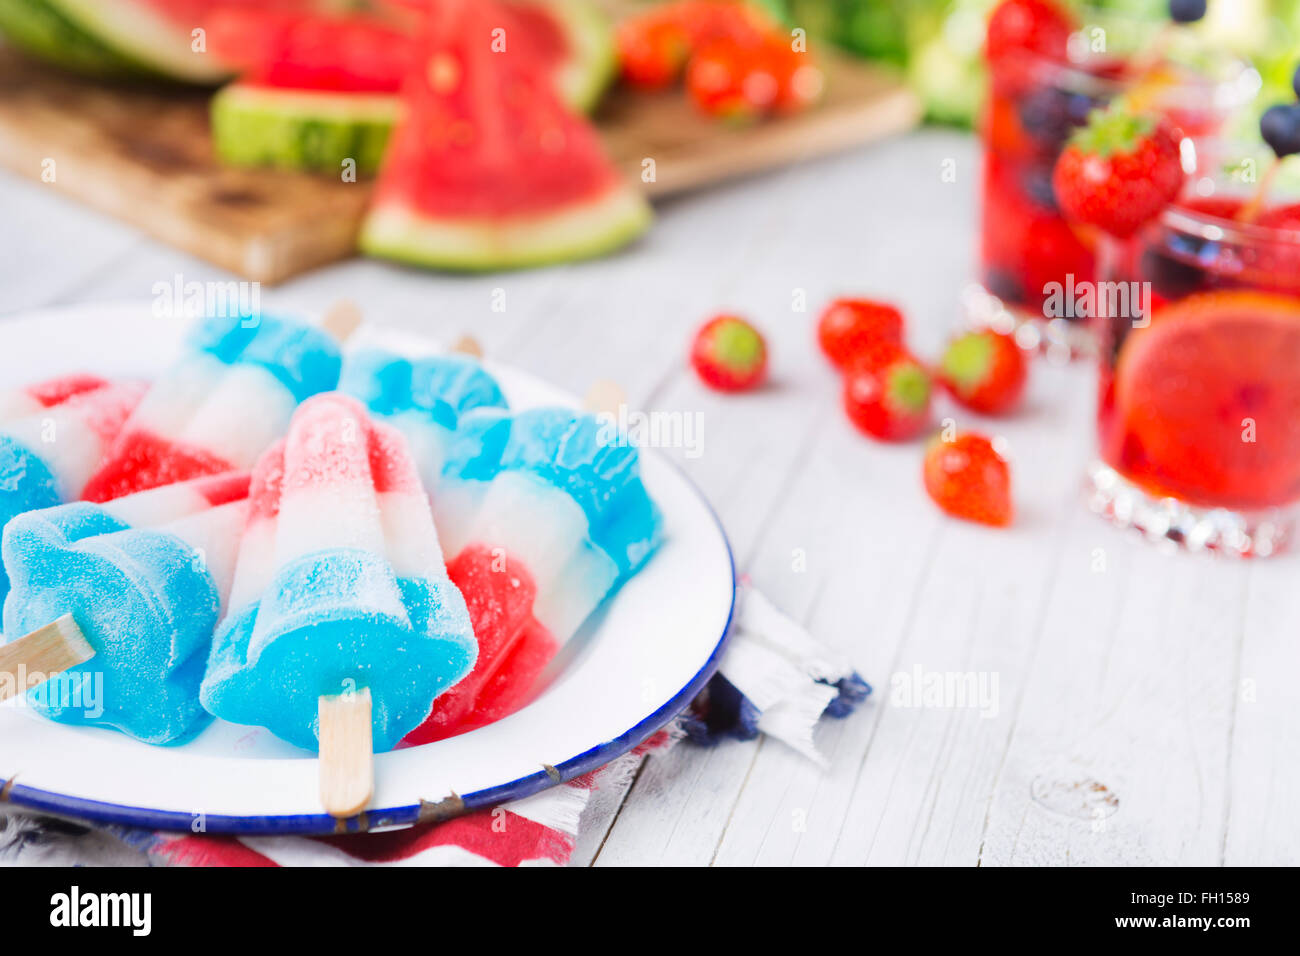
(635, 665)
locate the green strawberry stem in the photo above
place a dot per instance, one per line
(1113, 130)
(737, 346)
(909, 387)
(967, 361)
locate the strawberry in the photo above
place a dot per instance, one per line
(729, 354)
(708, 20)
(968, 479)
(733, 80)
(800, 81)
(652, 50)
(887, 393)
(984, 370)
(1119, 171)
(848, 326)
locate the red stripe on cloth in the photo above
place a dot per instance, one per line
(505, 838)
(210, 851)
(591, 780)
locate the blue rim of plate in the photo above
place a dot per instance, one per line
(97, 811)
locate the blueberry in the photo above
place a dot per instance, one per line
(1004, 285)
(1045, 115)
(1036, 182)
(1080, 107)
(1280, 127)
(1186, 11)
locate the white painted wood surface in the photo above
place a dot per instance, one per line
(1167, 680)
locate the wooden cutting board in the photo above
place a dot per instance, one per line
(144, 155)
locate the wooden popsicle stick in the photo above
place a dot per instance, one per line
(347, 759)
(342, 319)
(604, 396)
(1255, 205)
(46, 651)
(468, 345)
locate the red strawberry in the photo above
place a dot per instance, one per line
(968, 479)
(1037, 26)
(733, 80)
(1119, 171)
(708, 20)
(984, 370)
(652, 50)
(848, 326)
(729, 354)
(887, 393)
(801, 82)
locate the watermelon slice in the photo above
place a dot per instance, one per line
(319, 89)
(488, 168)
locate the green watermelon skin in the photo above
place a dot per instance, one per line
(43, 31)
(582, 232)
(102, 38)
(142, 35)
(293, 129)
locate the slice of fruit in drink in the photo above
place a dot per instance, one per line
(1208, 401)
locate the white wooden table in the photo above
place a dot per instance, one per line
(1146, 708)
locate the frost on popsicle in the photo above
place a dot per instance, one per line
(340, 585)
(144, 578)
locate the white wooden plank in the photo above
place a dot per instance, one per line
(904, 595)
(1131, 691)
(50, 244)
(751, 438)
(1264, 771)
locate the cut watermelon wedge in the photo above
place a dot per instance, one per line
(324, 60)
(488, 168)
(1207, 401)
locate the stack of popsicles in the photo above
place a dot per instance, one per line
(403, 561)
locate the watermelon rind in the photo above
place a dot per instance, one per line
(593, 63)
(140, 34)
(302, 129)
(577, 231)
(41, 30)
